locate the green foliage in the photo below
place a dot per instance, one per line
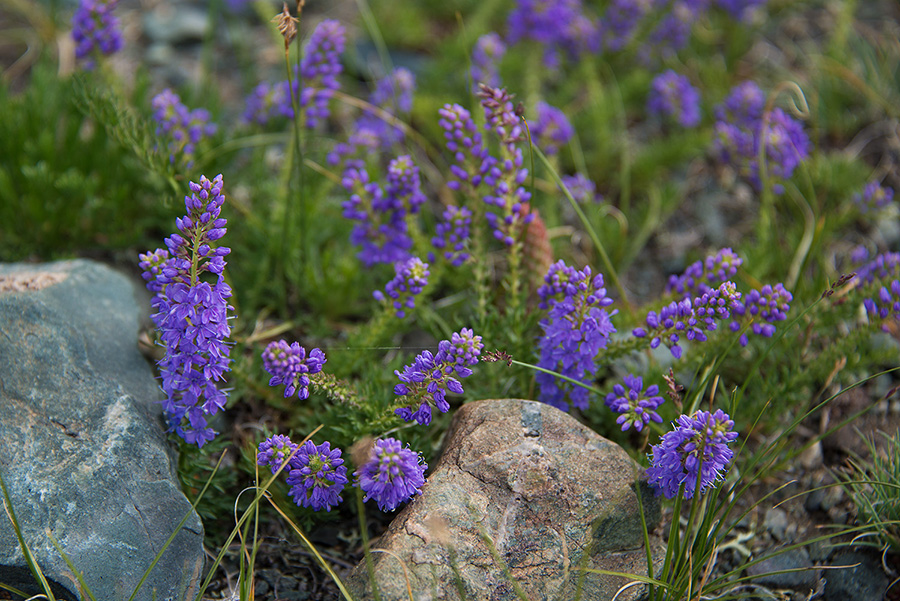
(67, 186)
(874, 485)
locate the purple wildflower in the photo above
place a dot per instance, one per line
(766, 306)
(470, 157)
(274, 452)
(673, 28)
(180, 128)
(637, 407)
(551, 129)
(690, 319)
(381, 230)
(452, 234)
(884, 304)
(742, 128)
(292, 366)
(486, 56)
(373, 131)
(578, 326)
(192, 314)
(95, 30)
(506, 177)
(696, 448)
(430, 376)
(404, 186)
(673, 96)
(703, 275)
(581, 188)
(268, 102)
(400, 293)
(621, 20)
(555, 24)
(319, 71)
(392, 475)
(317, 476)
(873, 197)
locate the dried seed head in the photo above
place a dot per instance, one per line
(287, 25)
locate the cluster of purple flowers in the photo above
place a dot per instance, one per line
(471, 158)
(879, 279)
(382, 229)
(400, 293)
(374, 130)
(392, 475)
(694, 455)
(191, 314)
(690, 319)
(767, 304)
(95, 30)
(180, 128)
(558, 25)
(581, 188)
(317, 474)
(874, 197)
(452, 234)
(743, 128)
(486, 56)
(578, 326)
(505, 177)
(703, 275)
(314, 83)
(428, 379)
(291, 366)
(672, 96)
(551, 129)
(636, 406)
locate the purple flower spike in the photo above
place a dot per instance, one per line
(430, 376)
(577, 328)
(381, 230)
(581, 188)
(551, 129)
(181, 129)
(673, 96)
(486, 56)
(274, 452)
(291, 366)
(317, 476)
(743, 128)
(192, 314)
(873, 197)
(392, 475)
(697, 447)
(319, 71)
(400, 292)
(95, 30)
(452, 234)
(637, 407)
(470, 158)
(704, 275)
(767, 306)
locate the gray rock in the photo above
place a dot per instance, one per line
(776, 522)
(86, 459)
(803, 580)
(179, 24)
(862, 580)
(520, 486)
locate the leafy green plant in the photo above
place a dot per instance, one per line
(873, 484)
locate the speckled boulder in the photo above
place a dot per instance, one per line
(523, 487)
(85, 455)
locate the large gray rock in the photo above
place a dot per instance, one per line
(528, 482)
(85, 457)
